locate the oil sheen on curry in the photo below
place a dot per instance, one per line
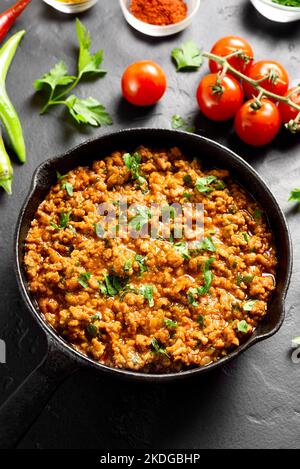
(150, 304)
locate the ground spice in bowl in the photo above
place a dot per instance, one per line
(159, 12)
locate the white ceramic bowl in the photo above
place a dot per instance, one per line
(71, 7)
(160, 31)
(276, 12)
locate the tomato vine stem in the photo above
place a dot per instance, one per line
(255, 83)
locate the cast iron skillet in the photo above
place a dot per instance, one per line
(28, 401)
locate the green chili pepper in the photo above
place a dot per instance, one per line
(6, 171)
(8, 114)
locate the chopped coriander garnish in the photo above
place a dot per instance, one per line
(92, 331)
(257, 214)
(84, 278)
(157, 347)
(295, 195)
(170, 324)
(133, 162)
(140, 219)
(179, 123)
(99, 230)
(141, 262)
(246, 237)
(206, 244)
(127, 265)
(243, 326)
(187, 195)
(203, 184)
(182, 248)
(102, 288)
(169, 211)
(68, 187)
(60, 176)
(187, 57)
(244, 279)
(147, 292)
(192, 292)
(208, 277)
(200, 320)
(63, 221)
(200, 291)
(248, 305)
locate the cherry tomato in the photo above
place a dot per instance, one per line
(143, 83)
(219, 102)
(226, 46)
(277, 80)
(258, 127)
(287, 112)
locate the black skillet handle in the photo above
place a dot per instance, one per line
(19, 412)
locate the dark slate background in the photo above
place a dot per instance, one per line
(254, 402)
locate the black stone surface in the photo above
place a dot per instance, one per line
(255, 401)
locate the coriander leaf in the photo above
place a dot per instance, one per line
(141, 218)
(102, 288)
(208, 277)
(243, 326)
(203, 185)
(54, 225)
(244, 279)
(68, 187)
(246, 237)
(87, 63)
(64, 219)
(248, 305)
(182, 248)
(207, 244)
(258, 213)
(91, 330)
(157, 348)
(170, 324)
(133, 162)
(60, 176)
(141, 262)
(168, 211)
(58, 76)
(87, 111)
(147, 292)
(179, 123)
(84, 278)
(295, 195)
(191, 296)
(200, 320)
(187, 57)
(99, 230)
(288, 3)
(127, 265)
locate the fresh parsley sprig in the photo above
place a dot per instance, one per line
(295, 195)
(187, 57)
(84, 111)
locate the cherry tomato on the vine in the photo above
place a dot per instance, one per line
(257, 126)
(276, 78)
(143, 83)
(287, 112)
(219, 101)
(228, 45)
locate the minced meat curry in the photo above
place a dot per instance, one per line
(145, 304)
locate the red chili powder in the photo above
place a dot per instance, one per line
(159, 12)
